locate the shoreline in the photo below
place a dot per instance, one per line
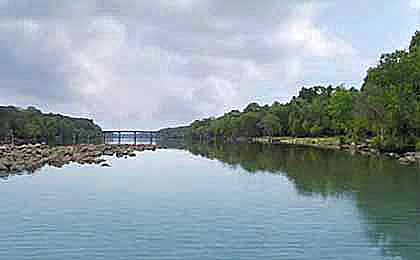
(29, 158)
(333, 143)
(32, 157)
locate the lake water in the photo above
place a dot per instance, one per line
(215, 202)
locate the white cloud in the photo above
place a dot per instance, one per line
(301, 34)
(148, 64)
(415, 4)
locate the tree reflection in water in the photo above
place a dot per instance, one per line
(386, 193)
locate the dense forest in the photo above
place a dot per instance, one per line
(385, 110)
(31, 125)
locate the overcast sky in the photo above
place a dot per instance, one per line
(149, 64)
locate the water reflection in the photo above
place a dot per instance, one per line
(386, 193)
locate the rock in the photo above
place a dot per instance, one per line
(407, 159)
(17, 167)
(410, 154)
(403, 160)
(362, 146)
(3, 167)
(8, 164)
(67, 158)
(150, 148)
(108, 152)
(29, 158)
(345, 147)
(99, 161)
(85, 149)
(393, 155)
(89, 160)
(57, 164)
(373, 151)
(96, 153)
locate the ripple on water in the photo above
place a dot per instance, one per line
(174, 205)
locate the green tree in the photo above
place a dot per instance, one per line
(248, 124)
(270, 125)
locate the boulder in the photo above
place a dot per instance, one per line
(3, 167)
(407, 159)
(89, 160)
(29, 158)
(99, 161)
(17, 167)
(108, 152)
(410, 154)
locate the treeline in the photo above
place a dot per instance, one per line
(31, 125)
(386, 109)
(174, 133)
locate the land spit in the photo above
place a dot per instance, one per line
(31, 157)
(412, 158)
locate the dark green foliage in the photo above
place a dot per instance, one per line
(31, 125)
(387, 108)
(318, 111)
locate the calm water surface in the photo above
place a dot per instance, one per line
(215, 202)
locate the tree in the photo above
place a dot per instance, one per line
(32, 125)
(386, 108)
(248, 124)
(340, 109)
(253, 107)
(270, 125)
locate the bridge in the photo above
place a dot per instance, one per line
(136, 134)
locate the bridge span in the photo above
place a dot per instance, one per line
(135, 134)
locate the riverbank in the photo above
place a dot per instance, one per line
(29, 158)
(335, 144)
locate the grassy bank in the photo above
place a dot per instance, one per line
(322, 142)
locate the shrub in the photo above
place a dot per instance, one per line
(376, 142)
(418, 146)
(341, 140)
(393, 144)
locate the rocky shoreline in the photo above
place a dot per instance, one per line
(31, 157)
(409, 158)
(364, 149)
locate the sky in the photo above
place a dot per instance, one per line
(150, 64)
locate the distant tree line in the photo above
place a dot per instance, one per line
(386, 109)
(31, 125)
(174, 133)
